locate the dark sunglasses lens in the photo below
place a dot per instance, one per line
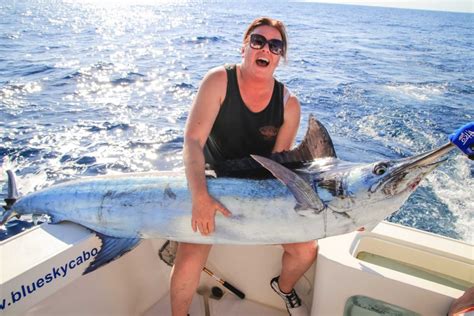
(257, 41)
(276, 46)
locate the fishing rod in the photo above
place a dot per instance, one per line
(226, 284)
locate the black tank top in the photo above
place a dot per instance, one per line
(239, 132)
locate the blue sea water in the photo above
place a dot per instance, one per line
(99, 87)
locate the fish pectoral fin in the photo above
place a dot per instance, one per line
(112, 248)
(304, 194)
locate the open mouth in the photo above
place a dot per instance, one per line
(262, 62)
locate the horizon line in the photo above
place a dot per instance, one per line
(469, 8)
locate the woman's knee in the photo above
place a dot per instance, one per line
(305, 250)
(192, 256)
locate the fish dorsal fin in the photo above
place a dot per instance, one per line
(308, 202)
(316, 144)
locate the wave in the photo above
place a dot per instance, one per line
(129, 79)
(171, 145)
(12, 90)
(450, 185)
(202, 39)
(107, 126)
(420, 91)
(86, 160)
(32, 69)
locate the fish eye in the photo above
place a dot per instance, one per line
(380, 169)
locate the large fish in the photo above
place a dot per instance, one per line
(311, 195)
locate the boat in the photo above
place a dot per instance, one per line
(391, 270)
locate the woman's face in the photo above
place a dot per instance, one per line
(262, 60)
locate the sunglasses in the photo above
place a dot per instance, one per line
(258, 41)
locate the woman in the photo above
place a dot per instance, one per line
(239, 110)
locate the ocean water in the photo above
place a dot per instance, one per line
(101, 87)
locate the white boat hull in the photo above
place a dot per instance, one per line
(138, 283)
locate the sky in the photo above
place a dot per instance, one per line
(436, 5)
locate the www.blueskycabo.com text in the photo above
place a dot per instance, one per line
(56, 273)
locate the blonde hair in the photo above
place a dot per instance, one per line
(269, 22)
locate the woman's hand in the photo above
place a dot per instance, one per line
(204, 212)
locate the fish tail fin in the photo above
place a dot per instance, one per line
(11, 198)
